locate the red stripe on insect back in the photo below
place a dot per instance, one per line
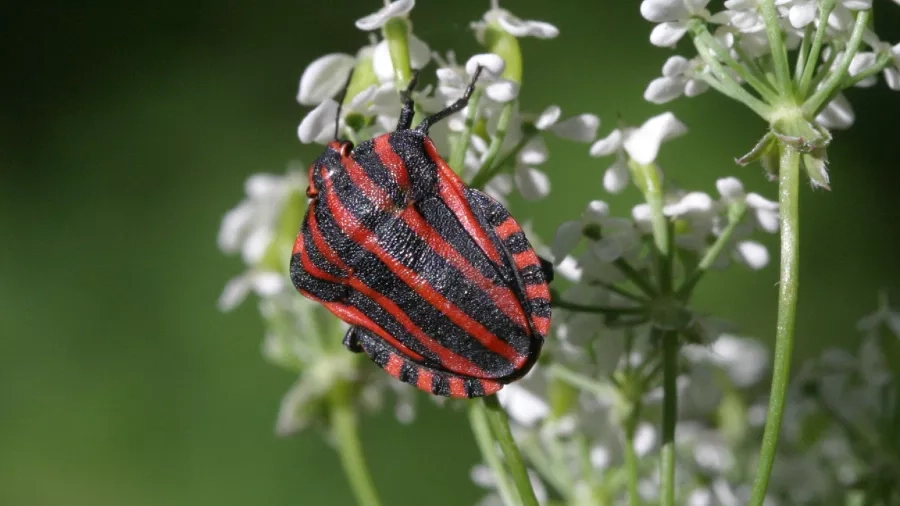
(308, 265)
(540, 291)
(423, 289)
(502, 296)
(491, 387)
(392, 161)
(541, 324)
(446, 356)
(323, 246)
(425, 379)
(507, 228)
(457, 387)
(354, 316)
(452, 191)
(526, 259)
(298, 244)
(394, 365)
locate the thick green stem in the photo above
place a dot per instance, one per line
(458, 156)
(832, 85)
(396, 32)
(788, 197)
(670, 415)
(499, 423)
(776, 43)
(484, 438)
(343, 425)
(812, 60)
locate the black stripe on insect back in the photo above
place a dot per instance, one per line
(474, 388)
(532, 275)
(373, 273)
(383, 319)
(369, 160)
(403, 244)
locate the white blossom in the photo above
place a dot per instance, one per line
(679, 77)
(324, 78)
(765, 211)
(641, 144)
(673, 17)
(377, 20)
(249, 228)
(513, 25)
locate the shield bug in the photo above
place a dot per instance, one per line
(437, 280)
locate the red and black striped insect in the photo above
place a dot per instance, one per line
(438, 282)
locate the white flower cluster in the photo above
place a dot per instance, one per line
(510, 149)
(738, 47)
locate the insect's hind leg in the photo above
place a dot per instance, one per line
(351, 340)
(425, 378)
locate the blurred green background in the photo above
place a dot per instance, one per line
(126, 133)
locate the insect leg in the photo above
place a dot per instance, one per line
(351, 340)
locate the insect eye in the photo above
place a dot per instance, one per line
(346, 148)
(310, 192)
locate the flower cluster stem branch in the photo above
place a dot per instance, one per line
(484, 438)
(499, 423)
(831, 86)
(788, 196)
(346, 434)
(705, 40)
(486, 172)
(709, 258)
(670, 415)
(776, 43)
(812, 60)
(631, 463)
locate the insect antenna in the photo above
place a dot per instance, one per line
(340, 102)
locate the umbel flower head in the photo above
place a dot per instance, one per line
(742, 53)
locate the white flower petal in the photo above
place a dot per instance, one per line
(607, 145)
(548, 117)
(607, 249)
(730, 188)
(694, 202)
(502, 91)
(233, 226)
(534, 152)
(492, 65)
(532, 183)
(567, 237)
(526, 28)
(377, 20)
(757, 201)
(643, 145)
(857, 5)
(660, 11)
(667, 34)
(596, 212)
(523, 406)
(324, 78)
(838, 114)
(675, 66)
(695, 87)
(802, 14)
(256, 244)
(892, 78)
(581, 128)
(745, 360)
(753, 254)
(617, 176)
(644, 439)
(318, 125)
(664, 89)
(235, 292)
(268, 283)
